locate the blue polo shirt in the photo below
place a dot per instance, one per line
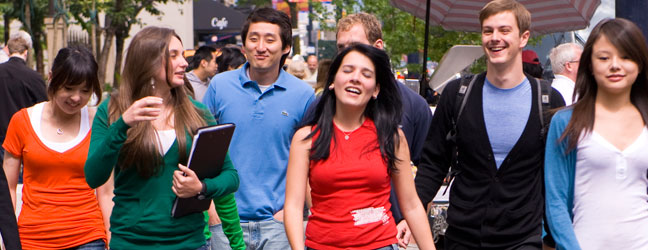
(265, 123)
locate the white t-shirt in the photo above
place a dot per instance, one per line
(565, 86)
(611, 194)
(84, 127)
(166, 139)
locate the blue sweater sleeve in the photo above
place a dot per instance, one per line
(559, 184)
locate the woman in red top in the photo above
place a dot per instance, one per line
(349, 154)
(51, 140)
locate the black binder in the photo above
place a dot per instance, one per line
(206, 159)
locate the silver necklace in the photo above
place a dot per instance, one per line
(59, 131)
(347, 134)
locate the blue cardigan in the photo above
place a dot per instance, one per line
(559, 183)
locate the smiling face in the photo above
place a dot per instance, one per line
(355, 81)
(501, 39)
(176, 66)
(263, 47)
(70, 99)
(614, 71)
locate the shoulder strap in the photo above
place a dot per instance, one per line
(544, 104)
(466, 84)
(464, 90)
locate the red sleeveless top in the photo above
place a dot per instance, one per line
(350, 194)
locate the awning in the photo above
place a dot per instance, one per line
(211, 16)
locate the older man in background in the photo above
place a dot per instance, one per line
(565, 59)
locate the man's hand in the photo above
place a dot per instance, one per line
(403, 234)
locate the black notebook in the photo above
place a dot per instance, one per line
(207, 156)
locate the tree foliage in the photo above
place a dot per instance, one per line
(32, 14)
(402, 32)
(120, 16)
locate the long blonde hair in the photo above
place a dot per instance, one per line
(148, 51)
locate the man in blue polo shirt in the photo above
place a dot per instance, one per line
(266, 104)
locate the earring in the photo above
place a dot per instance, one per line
(374, 97)
(153, 84)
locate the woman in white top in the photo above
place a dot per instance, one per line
(595, 160)
(51, 141)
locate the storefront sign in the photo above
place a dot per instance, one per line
(219, 23)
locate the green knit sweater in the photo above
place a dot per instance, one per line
(141, 217)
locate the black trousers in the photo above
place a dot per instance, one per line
(532, 243)
(8, 224)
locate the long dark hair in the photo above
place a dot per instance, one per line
(628, 39)
(147, 52)
(385, 110)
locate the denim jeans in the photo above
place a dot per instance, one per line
(92, 245)
(268, 235)
(204, 247)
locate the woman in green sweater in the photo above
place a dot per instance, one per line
(144, 133)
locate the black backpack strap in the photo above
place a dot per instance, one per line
(544, 105)
(466, 84)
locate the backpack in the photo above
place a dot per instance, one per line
(466, 83)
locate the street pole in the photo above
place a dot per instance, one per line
(423, 82)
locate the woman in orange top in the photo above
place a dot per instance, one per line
(51, 140)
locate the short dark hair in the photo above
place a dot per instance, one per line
(270, 15)
(230, 57)
(203, 53)
(74, 65)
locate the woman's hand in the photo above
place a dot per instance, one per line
(145, 109)
(185, 182)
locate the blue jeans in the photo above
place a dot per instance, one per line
(204, 247)
(92, 245)
(268, 235)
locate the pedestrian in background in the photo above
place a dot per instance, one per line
(230, 58)
(349, 153)
(204, 67)
(51, 141)
(298, 68)
(596, 161)
(565, 59)
(20, 87)
(531, 64)
(323, 67)
(144, 134)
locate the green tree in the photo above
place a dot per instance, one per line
(402, 32)
(121, 15)
(32, 14)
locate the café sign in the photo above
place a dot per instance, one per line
(219, 23)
